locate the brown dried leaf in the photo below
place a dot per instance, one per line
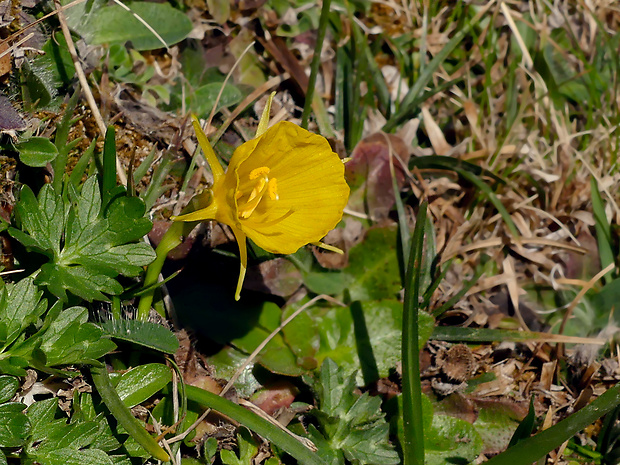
(368, 174)
(435, 135)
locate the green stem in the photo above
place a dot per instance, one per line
(172, 238)
(413, 447)
(123, 415)
(316, 61)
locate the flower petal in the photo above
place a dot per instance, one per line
(243, 257)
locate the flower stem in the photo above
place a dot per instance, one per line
(172, 238)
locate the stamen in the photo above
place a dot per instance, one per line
(263, 186)
(259, 189)
(258, 172)
(272, 189)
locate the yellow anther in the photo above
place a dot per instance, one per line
(258, 189)
(258, 172)
(272, 189)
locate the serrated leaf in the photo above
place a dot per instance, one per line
(41, 414)
(70, 456)
(43, 218)
(14, 425)
(349, 422)
(71, 339)
(20, 306)
(97, 245)
(80, 281)
(55, 442)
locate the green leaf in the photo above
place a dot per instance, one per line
(14, 425)
(145, 333)
(8, 387)
(275, 356)
(451, 440)
(203, 99)
(366, 336)
(349, 422)
(114, 24)
(71, 339)
(20, 306)
(97, 245)
(141, 382)
(41, 414)
(36, 151)
(70, 456)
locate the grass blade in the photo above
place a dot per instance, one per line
(413, 447)
(408, 105)
(531, 449)
(257, 424)
(603, 229)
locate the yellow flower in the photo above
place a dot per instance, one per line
(283, 189)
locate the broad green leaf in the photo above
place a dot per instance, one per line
(365, 336)
(141, 382)
(275, 356)
(203, 99)
(36, 151)
(451, 440)
(14, 425)
(114, 24)
(372, 273)
(226, 362)
(496, 424)
(349, 422)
